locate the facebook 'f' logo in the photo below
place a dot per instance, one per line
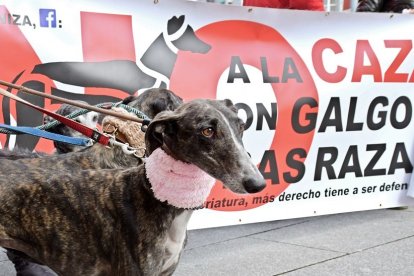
(47, 18)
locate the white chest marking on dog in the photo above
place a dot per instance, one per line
(175, 240)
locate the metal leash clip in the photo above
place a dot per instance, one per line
(142, 155)
(124, 146)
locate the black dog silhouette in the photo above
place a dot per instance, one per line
(124, 75)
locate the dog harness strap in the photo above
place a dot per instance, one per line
(88, 132)
(78, 141)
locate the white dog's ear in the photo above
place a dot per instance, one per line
(154, 135)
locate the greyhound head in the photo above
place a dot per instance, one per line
(208, 134)
(154, 100)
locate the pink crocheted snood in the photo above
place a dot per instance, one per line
(179, 184)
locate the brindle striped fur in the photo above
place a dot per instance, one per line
(107, 221)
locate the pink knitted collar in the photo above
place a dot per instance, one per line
(182, 185)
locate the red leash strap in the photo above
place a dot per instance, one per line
(88, 132)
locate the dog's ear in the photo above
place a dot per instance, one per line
(230, 105)
(164, 123)
(129, 99)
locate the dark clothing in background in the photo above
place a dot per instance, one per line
(384, 6)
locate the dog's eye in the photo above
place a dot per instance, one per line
(208, 132)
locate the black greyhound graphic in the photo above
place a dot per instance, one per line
(155, 66)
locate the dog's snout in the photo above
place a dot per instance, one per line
(254, 185)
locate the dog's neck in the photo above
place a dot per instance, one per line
(179, 184)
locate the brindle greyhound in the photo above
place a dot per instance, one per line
(150, 102)
(126, 221)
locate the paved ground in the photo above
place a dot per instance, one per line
(379, 242)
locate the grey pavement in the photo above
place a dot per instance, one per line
(377, 242)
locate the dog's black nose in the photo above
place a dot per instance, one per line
(254, 185)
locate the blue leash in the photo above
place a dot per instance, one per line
(78, 141)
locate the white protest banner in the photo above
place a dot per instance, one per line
(326, 97)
